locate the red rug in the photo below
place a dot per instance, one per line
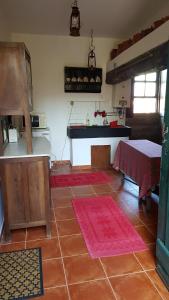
(106, 229)
(79, 179)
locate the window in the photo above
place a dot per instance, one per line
(163, 83)
(145, 93)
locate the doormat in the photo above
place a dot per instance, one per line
(106, 229)
(65, 180)
(21, 274)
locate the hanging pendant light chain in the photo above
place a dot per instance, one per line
(92, 47)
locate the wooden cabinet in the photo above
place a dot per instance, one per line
(16, 84)
(25, 187)
(83, 80)
(100, 156)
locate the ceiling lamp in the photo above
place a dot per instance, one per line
(91, 55)
(75, 20)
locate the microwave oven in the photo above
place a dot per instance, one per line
(38, 120)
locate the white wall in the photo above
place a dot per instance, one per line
(50, 54)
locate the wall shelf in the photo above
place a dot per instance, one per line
(82, 80)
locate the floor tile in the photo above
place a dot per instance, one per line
(64, 213)
(36, 233)
(12, 247)
(148, 217)
(122, 264)
(73, 245)
(68, 227)
(159, 284)
(102, 188)
(133, 218)
(145, 234)
(50, 247)
(79, 266)
(62, 202)
(59, 293)
(82, 190)
(53, 274)
(93, 290)
(147, 259)
(82, 268)
(61, 192)
(17, 235)
(134, 287)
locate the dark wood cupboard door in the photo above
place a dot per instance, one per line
(100, 156)
(12, 94)
(16, 193)
(36, 183)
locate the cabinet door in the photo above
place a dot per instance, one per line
(16, 191)
(38, 183)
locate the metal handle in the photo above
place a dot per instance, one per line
(165, 131)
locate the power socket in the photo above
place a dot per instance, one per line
(71, 103)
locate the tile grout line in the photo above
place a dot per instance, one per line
(144, 224)
(154, 286)
(54, 287)
(148, 276)
(68, 256)
(113, 292)
(127, 274)
(62, 257)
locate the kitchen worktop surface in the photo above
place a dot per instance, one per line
(82, 131)
(41, 147)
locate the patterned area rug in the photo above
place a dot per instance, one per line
(79, 179)
(21, 274)
(106, 229)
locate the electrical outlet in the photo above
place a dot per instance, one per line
(71, 103)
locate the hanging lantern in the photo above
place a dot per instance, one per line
(75, 20)
(91, 55)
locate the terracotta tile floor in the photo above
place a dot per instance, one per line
(70, 273)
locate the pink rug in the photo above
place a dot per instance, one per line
(79, 179)
(106, 229)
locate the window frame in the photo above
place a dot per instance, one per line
(130, 111)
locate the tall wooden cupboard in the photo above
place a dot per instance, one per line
(24, 177)
(16, 84)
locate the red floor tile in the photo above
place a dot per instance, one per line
(53, 274)
(83, 268)
(93, 290)
(73, 245)
(50, 247)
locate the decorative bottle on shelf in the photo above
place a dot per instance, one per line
(105, 122)
(87, 120)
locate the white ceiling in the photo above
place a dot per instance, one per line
(111, 18)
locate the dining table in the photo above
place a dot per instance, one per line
(140, 161)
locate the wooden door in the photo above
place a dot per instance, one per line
(100, 156)
(162, 246)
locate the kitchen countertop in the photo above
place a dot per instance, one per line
(41, 147)
(81, 132)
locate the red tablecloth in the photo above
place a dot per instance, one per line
(140, 160)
